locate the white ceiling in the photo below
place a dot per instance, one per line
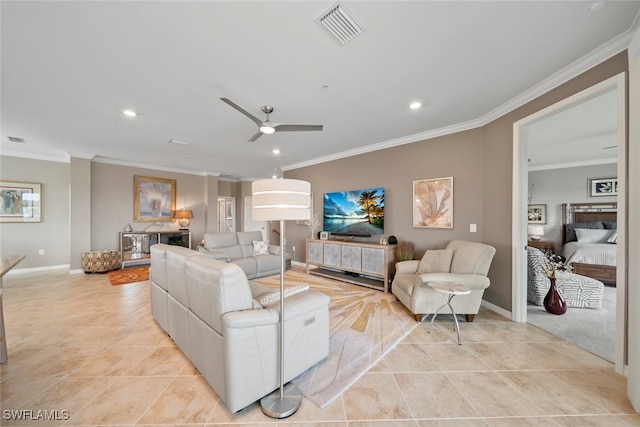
(70, 68)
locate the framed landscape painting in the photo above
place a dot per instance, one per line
(20, 201)
(433, 203)
(154, 199)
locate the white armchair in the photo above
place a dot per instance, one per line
(461, 262)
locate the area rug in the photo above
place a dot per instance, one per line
(129, 275)
(364, 324)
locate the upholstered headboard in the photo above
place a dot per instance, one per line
(587, 215)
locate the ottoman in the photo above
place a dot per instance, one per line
(101, 261)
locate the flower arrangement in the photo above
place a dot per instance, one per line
(405, 251)
(555, 263)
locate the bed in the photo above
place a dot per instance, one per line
(588, 239)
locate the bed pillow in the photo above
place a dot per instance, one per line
(436, 261)
(570, 229)
(613, 238)
(585, 235)
(611, 225)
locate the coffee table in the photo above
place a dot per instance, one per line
(448, 291)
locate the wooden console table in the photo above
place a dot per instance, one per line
(361, 263)
(7, 263)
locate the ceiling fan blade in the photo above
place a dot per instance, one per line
(255, 136)
(256, 120)
(296, 128)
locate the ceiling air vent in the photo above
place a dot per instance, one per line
(342, 26)
(16, 139)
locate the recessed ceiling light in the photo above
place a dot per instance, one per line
(415, 105)
(175, 141)
(596, 6)
(129, 113)
(275, 151)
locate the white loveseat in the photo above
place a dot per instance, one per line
(229, 327)
(462, 262)
(242, 248)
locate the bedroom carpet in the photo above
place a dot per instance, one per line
(364, 325)
(592, 329)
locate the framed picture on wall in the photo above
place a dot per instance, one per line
(537, 214)
(433, 203)
(602, 187)
(154, 199)
(20, 201)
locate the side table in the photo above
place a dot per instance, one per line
(448, 291)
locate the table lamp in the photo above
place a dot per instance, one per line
(281, 199)
(535, 232)
(183, 216)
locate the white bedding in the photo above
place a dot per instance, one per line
(590, 253)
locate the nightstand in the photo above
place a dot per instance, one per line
(543, 245)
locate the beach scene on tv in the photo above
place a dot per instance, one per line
(358, 212)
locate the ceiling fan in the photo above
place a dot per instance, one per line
(265, 126)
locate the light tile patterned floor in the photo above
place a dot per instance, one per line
(90, 353)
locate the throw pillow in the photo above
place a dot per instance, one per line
(436, 261)
(274, 297)
(613, 238)
(586, 235)
(260, 248)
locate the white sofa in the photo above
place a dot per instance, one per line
(462, 262)
(216, 317)
(239, 248)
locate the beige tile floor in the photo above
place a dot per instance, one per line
(93, 353)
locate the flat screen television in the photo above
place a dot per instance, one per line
(357, 213)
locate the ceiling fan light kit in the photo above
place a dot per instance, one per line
(265, 126)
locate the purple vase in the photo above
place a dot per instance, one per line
(553, 301)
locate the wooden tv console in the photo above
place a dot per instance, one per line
(361, 263)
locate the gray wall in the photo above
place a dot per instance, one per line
(52, 234)
(554, 187)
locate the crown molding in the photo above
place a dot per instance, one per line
(573, 164)
(587, 62)
(60, 158)
(117, 162)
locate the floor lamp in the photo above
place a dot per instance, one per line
(281, 200)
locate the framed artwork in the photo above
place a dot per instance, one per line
(154, 199)
(433, 203)
(537, 214)
(602, 187)
(20, 201)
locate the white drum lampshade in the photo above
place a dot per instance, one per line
(281, 200)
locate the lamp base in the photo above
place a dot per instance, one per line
(275, 407)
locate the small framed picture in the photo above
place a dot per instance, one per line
(324, 235)
(537, 214)
(602, 187)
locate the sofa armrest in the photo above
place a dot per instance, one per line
(250, 318)
(408, 267)
(274, 250)
(215, 254)
(294, 306)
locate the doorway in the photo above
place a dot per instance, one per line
(521, 192)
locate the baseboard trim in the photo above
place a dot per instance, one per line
(38, 269)
(501, 311)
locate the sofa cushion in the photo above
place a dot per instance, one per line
(249, 265)
(436, 261)
(246, 239)
(471, 257)
(223, 244)
(215, 288)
